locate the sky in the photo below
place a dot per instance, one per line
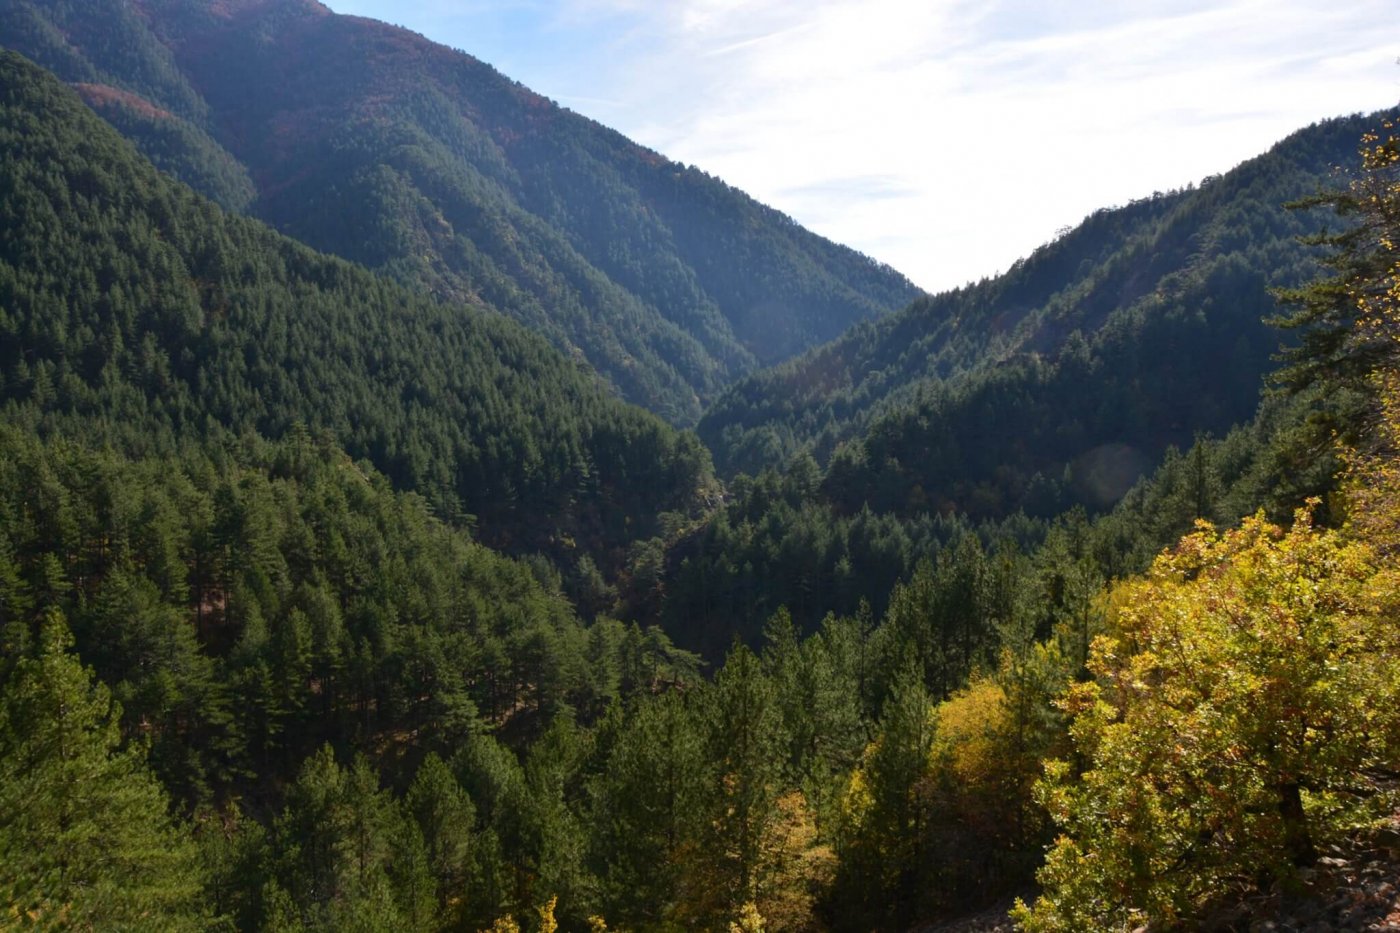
(947, 138)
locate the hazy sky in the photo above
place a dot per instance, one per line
(946, 138)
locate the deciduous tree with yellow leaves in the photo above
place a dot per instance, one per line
(1247, 689)
(1247, 695)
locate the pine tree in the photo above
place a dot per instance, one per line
(645, 810)
(885, 814)
(744, 744)
(85, 837)
(445, 815)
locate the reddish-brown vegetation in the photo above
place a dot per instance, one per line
(99, 96)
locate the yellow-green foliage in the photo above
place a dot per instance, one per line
(940, 811)
(750, 920)
(970, 725)
(983, 765)
(1247, 685)
(547, 922)
(794, 865)
(1251, 682)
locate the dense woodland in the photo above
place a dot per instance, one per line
(1157, 308)
(330, 604)
(136, 312)
(372, 143)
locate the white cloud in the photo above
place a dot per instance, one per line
(948, 137)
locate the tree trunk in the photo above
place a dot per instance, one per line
(1296, 837)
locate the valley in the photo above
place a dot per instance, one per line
(424, 508)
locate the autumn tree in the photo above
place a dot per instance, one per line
(1246, 688)
(984, 829)
(1246, 693)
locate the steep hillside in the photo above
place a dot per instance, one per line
(108, 52)
(375, 144)
(1057, 382)
(136, 312)
(260, 670)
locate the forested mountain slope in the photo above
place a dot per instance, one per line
(373, 143)
(1057, 382)
(135, 312)
(257, 672)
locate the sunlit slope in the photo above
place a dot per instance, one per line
(373, 143)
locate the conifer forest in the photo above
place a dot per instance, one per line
(423, 508)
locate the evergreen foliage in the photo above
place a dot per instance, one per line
(85, 838)
(1060, 382)
(137, 313)
(370, 142)
(260, 670)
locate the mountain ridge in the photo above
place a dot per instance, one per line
(1163, 298)
(374, 143)
(137, 312)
